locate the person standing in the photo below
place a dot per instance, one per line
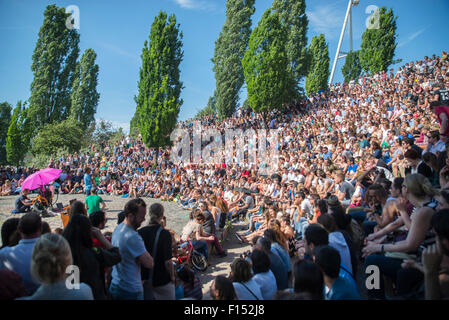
(93, 201)
(163, 274)
(126, 281)
(18, 258)
(87, 182)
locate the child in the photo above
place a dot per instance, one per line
(190, 282)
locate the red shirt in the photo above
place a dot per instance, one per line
(439, 110)
(97, 244)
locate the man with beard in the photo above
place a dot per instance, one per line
(126, 281)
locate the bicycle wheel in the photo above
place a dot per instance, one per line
(198, 261)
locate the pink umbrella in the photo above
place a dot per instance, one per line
(41, 178)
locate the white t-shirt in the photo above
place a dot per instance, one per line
(267, 283)
(307, 207)
(250, 292)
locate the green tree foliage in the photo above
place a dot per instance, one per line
(104, 131)
(134, 126)
(66, 135)
(16, 146)
(319, 65)
(379, 45)
(158, 101)
(230, 48)
(351, 70)
(294, 18)
(54, 62)
(266, 65)
(5, 120)
(210, 109)
(84, 90)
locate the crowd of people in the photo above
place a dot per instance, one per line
(362, 182)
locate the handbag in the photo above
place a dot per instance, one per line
(148, 285)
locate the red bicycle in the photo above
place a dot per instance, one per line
(187, 254)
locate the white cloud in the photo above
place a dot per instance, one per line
(411, 37)
(196, 4)
(327, 19)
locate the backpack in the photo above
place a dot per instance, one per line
(222, 220)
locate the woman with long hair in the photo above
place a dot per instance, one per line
(222, 289)
(245, 286)
(49, 262)
(419, 191)
(91, 261)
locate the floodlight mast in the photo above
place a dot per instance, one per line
(348, 16)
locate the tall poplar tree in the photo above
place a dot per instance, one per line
(158, 101)
(54, 62)
(294, 18)
(5, 119)
(319, 65)
(84, 90)
(230, 48)
(266, 65)
(379, 44)
(351, 70)
(15, 142)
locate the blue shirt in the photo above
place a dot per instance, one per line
(342, 289)
(59, 291)
(18, 259)
(327, 155)
(352, 167)
(283, 254)
(87, 182)
(279, 271)
(126, 274)
(267, 284)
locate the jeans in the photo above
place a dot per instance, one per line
(201, 246)
(240, 212)
(368, 227)
(388, 267)
(408, 281)
(216, 243)
(120, 294)
(87, 191)
(359, 216)
(301, 225)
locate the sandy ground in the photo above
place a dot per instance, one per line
(177, 217)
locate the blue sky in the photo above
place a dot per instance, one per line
(116, 30)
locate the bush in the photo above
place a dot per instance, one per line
(53, 138)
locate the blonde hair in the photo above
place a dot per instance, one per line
(51, 256)
(419, 186)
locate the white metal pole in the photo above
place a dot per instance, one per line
(339, 42)
(350, 29)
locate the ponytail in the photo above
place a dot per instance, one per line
(419, 186)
